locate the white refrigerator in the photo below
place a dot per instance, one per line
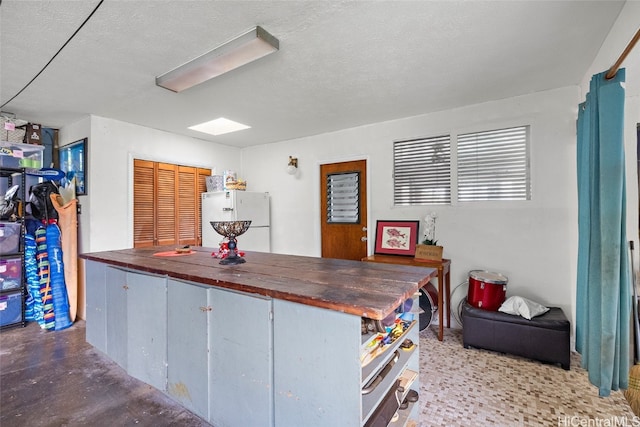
(234, 205)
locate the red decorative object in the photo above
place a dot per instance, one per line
(223, 252)
(487, 290)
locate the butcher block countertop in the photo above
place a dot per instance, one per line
(364, 289)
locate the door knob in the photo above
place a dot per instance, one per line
(364, 228)
(364, 239)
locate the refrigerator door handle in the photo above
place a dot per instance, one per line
(227, 209)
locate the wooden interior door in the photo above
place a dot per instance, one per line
(343, 210)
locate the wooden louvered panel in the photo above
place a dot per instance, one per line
(201, 183)
(167, 203)
(187, 214)
(166, 213)
(143, 204)
(202, 175)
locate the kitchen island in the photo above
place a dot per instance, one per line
(275, 341)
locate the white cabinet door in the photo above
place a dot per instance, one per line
(241, 336)
(188, 345)
(96, 305)
(147, 328)
(317, 366)
(220, 354)
(116, 294)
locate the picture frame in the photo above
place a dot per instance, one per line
(396, 237)
(73, 162)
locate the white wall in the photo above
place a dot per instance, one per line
(67, 135)
(532, 242)
(107, 221)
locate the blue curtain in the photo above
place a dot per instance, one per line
(603, 300)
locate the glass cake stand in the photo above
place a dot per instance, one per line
(231, 230)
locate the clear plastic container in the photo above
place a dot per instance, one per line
(17, 155)
(9, 238)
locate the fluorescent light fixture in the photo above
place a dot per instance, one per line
(252, 45)
(219, 126)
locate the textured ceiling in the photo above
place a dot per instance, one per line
(340, 64)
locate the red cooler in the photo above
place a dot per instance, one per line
(487, 290)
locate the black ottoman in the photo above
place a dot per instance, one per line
(544, 338)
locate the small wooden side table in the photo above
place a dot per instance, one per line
(444, 281)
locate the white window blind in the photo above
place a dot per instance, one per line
(494, 165)
(422, 171)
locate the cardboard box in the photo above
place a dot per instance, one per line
(34, 134)
(428, 252)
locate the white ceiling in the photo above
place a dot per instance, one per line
(341, 63)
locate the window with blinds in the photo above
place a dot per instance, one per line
(343, 204)
(422, 171)
(494, 165)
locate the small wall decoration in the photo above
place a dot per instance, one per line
(73, 161)
(396, 237)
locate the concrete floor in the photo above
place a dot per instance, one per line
(57, 379)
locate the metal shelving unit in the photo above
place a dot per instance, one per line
(7, 296)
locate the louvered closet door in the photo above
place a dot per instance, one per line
(191, 183)
(201, 183)
(166, 204)
(187, 206)
(143, 204)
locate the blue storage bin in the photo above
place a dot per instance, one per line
(10, 308)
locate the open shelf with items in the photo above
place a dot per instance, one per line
(397, 364)
(389, 377)
(406, 384)
(12, 275)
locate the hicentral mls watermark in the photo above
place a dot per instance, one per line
(614, 421)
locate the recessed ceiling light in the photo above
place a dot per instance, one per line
(219, 126)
